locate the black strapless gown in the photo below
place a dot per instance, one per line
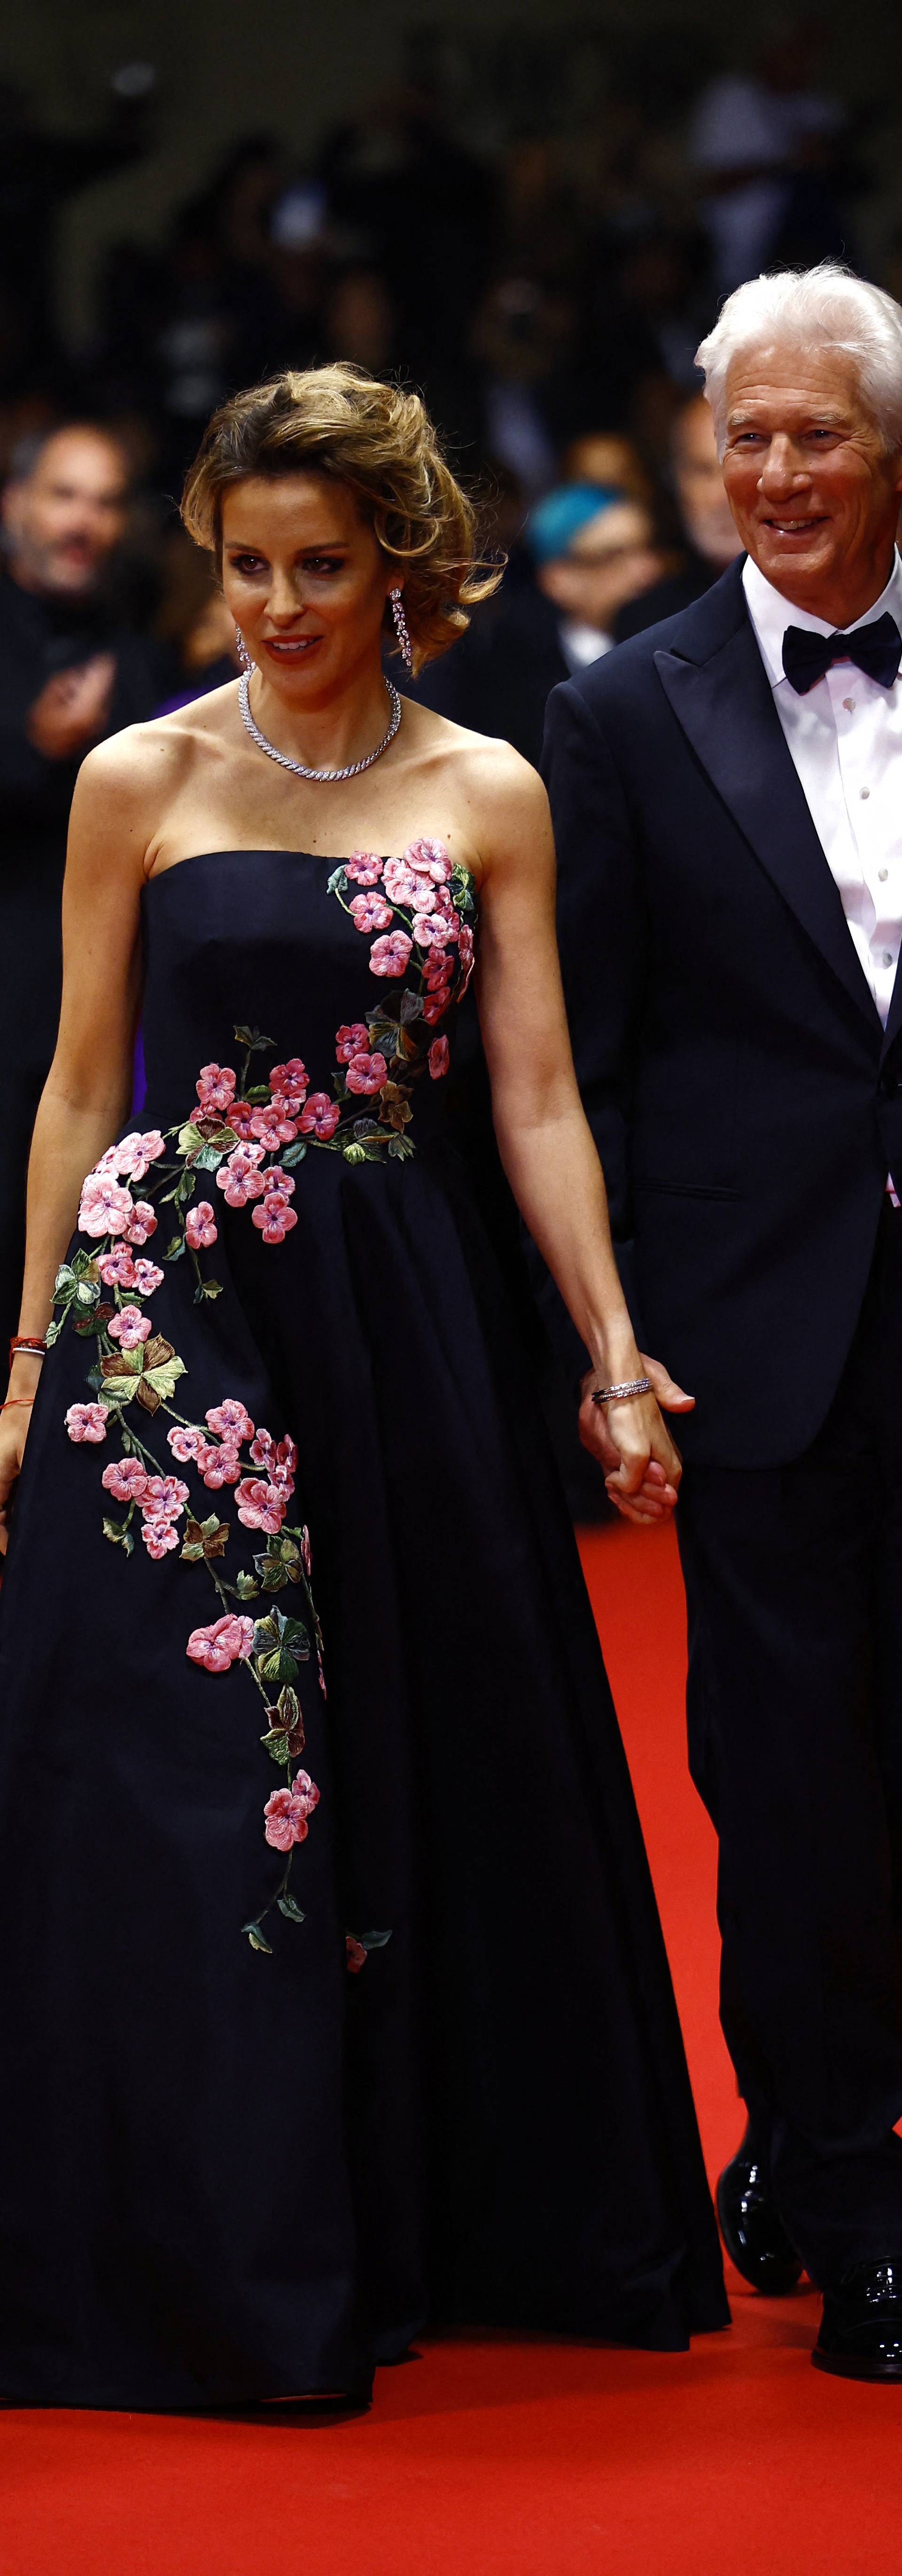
(287, 2076)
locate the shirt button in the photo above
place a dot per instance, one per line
(887, 957)
(864, 793)
(849, 704)
(883, 873)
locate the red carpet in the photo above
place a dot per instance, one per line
(518, 2459)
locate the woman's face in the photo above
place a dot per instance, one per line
(306, 581)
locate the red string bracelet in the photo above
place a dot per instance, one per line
(27, 1342)
(15, 1399)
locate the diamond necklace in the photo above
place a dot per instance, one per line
(300, 766)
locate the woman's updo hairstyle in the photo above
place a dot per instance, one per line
(380, 443)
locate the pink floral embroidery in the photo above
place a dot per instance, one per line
(370, 912)
(159, 1535)
(230, 1420)
(137, 1152)
(436, 1004)
(117, 1269)
(288, 1084)
(260, 1506)
(466, 947)
(164, 1497)
(275, 1218)
(125, 1479)
(239, 1177)
(350, 1042)
(439, 1058)
(218, 1466)
(141, 1222)
(354, 1953)
(366, 1073)
(104, 1207)
(272, 1128)
(129, 1327)
(227, 1641)
(364, 868)
(216, 1088)
(401, 885)
(430, 930)
(86, 1422)
(200, 1227)
(389, 956)
(321, 1117)
(287, 1812)
(429, 859)
(241, 1116)
(147, 1277)
(186, 1441)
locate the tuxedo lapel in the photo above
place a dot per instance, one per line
(717, 685)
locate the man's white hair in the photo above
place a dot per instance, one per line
(808, 309)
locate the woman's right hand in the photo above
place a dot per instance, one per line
(14, 1425)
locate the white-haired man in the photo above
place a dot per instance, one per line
(727, 797)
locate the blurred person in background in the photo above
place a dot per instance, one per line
(39, 172)
(589, 549)
(69, 675)
(608, 457)
(706, 522)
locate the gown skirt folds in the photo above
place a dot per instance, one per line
(333, 2002)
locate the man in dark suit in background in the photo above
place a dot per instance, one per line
(69, 675)
(727, 800)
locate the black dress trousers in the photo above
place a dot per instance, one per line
(794, 1588)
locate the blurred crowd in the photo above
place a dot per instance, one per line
(547, 300)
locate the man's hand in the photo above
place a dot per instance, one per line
(72, 709)
(642, 1466)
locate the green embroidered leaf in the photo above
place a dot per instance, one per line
(257, 1091)
(53, 1332)
(355, 1153)
(175, 1249)
(120, 1375)
(337, 883)
(374, 1940)
(291, 1911)
(246, 1587)
(121, 1537)
(401, 1147)
(190, 1138)
(207, 1288)
(86, 1293)
(204, 1539)
(279, 1561)
(278, 1666)
(253, 1038)
(95, 1378)
(84, 1266)
(411, 1006)
(213, 1152)
(164, 1379)
(257, 1938)
(294, 1154)
(276, 1743)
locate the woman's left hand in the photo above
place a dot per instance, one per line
(642, 1465)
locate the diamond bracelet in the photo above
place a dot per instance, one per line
(613, 1394)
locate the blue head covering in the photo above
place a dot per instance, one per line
(553, 524)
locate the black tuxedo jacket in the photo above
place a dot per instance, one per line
(745, 1101)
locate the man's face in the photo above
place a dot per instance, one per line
(64, 518)
(704, 508)
(813, 491)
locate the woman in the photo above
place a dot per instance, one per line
(314, 2037)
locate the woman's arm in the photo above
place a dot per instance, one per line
(88, 1089)
(544, 1138)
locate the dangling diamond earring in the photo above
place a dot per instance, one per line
(242, 652)
(404, 643)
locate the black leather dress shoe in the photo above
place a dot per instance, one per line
(861, 2327)
(753, 2234)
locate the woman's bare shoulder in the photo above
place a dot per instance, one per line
(146, 763)
(484, 765)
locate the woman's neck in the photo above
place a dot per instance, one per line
(327, 734)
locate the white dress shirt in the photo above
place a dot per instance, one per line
(845, 737)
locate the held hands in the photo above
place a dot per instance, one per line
(72, 708)
(642, 1466)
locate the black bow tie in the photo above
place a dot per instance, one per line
(876, 649)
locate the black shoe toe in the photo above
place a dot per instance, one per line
(861, 2327)
(751, 2227)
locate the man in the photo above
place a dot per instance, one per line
(727, 793)
(68, 677)
(705, 516)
